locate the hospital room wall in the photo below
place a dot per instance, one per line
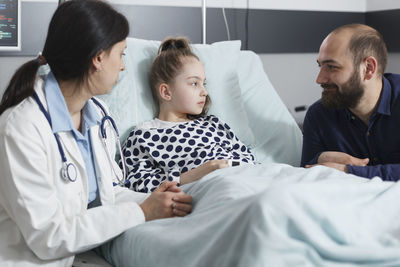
(292, 74)
(286, 40)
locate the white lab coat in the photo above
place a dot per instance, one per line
(44, 220)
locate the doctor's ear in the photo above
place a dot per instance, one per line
(371, 66)
(164, 92)
(97, 61)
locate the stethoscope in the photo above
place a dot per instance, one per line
(68, 170)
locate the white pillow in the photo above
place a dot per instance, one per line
(277, 136)
(131, 102)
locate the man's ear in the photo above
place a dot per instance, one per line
(164, 92)
(97, 61)
(371, 66)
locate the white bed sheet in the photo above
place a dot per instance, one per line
(273, 215)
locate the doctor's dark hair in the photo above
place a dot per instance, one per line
(79, 30)
(167, 65)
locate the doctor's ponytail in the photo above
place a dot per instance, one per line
(21, 85)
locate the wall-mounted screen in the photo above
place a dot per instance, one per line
(10, 26)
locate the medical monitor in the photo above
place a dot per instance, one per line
(10, 26)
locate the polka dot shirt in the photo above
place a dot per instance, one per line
(158, 151)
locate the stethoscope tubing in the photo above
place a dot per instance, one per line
(69, 168)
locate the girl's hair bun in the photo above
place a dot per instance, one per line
(181, 43)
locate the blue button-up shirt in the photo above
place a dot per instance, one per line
(327, 129)
(62, 122)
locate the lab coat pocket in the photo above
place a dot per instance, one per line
(72, 195)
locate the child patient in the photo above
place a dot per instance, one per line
(183, 143)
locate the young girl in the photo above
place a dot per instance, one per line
(183, 143)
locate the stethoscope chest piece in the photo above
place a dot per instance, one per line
(68, 172)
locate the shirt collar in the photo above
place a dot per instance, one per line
(90, 115)
(384, 100)
(57, 108)
(386, 97)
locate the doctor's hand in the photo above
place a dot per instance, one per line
(182, 205)
(340, 158)
(163, 203)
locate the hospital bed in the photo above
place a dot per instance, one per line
(241, 95)
(240, 91)
(272, 214)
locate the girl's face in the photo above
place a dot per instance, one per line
(188, 92)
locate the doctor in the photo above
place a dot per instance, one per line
(56, 175)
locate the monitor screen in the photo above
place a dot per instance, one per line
(10, 26)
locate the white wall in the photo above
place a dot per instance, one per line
(8, 65)
(321, 5)
(293, 75)
(375, 5)
(393, 63)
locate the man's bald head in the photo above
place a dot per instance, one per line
(363, 41)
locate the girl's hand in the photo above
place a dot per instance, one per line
(205, 168)
(216, 164)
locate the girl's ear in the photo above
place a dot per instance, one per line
(164, 91)
(97, 61)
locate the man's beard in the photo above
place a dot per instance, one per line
(349, 97)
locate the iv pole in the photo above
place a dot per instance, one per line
(204, 22)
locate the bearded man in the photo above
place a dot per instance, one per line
(355, 126)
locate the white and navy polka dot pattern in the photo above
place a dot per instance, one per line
(155, 155)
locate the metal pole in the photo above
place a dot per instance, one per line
(204, 21)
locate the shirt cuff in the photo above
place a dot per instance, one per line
(313, 161)
(174, 175)
(357, 170)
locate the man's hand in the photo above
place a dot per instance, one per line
(337, 166)
(340, 158)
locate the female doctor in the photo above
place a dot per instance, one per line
(56, 174)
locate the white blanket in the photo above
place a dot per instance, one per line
(273, 215)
